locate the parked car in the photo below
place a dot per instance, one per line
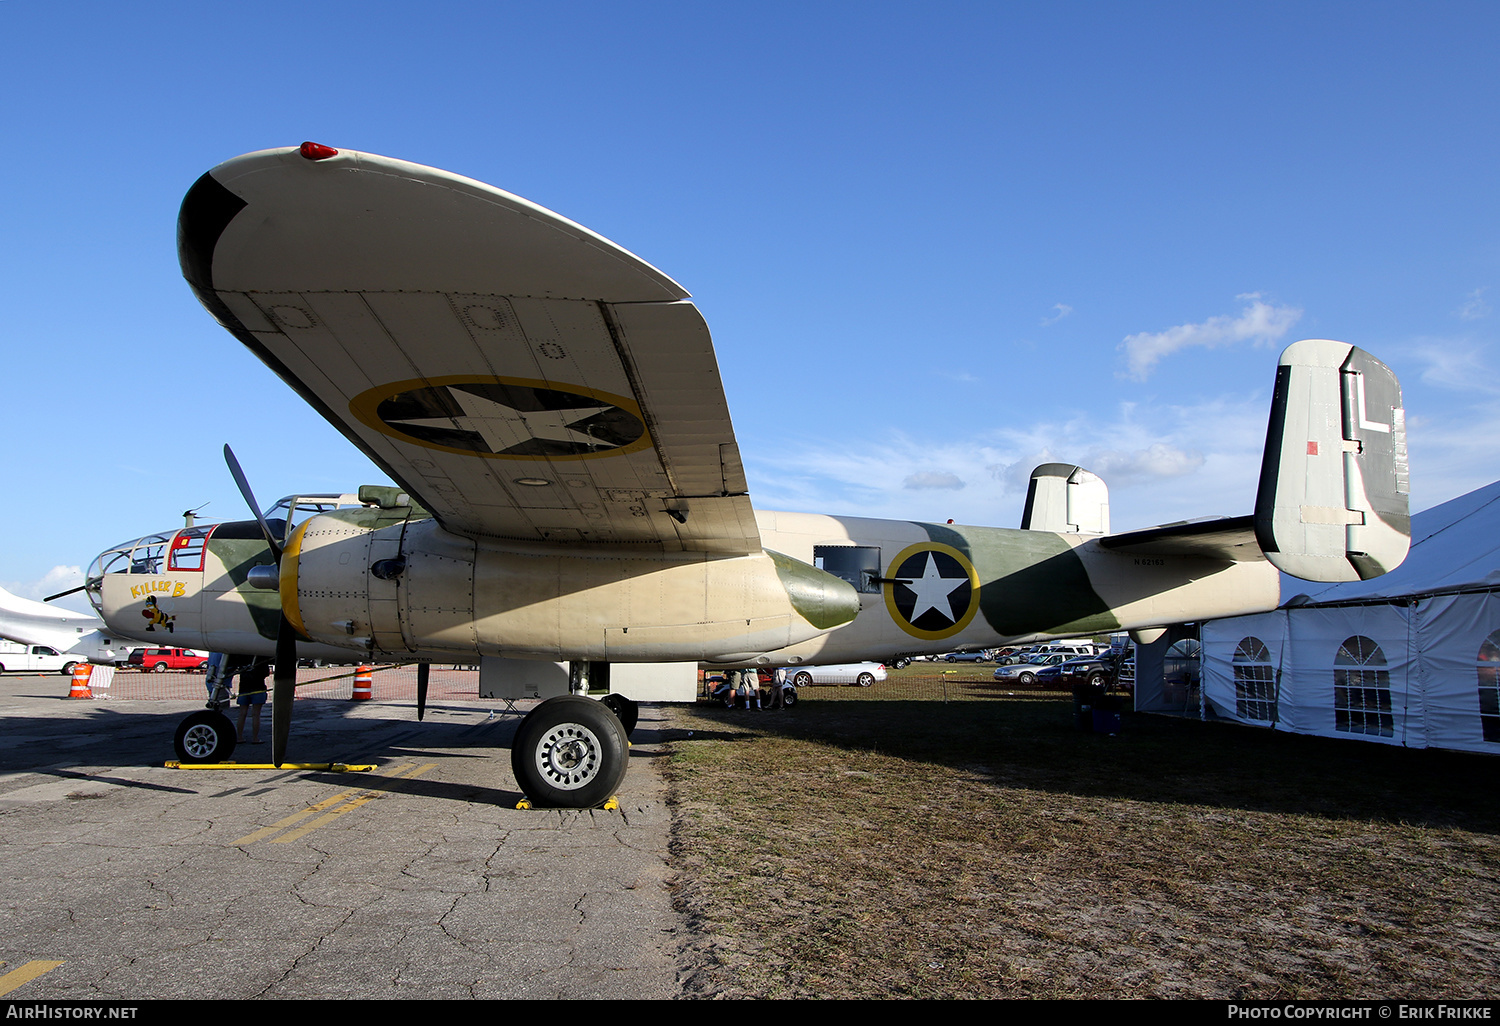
(966, 657)
(160, 660)
(1096, 671)
(863, 674)
(765, 685)
(1026, 673)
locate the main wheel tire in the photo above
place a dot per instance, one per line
(570, 752)
(803, 679)
(901, 664)
(626, 709)
(204, 736)
(67, 669)
(159, 668)
(788, 697)
(864, 680)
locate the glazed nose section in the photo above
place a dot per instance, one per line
(117, 560)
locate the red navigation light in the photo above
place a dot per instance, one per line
(317, 151)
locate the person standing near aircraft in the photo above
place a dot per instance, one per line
(252, 697)
(778, 681)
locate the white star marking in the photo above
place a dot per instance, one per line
(932, 588)
(503, 427)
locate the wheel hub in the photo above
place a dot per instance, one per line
(569, 756)
(200, 740)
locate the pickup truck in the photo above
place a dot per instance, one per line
(160, 660)
(18, 658)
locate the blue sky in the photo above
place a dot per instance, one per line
(936, 243)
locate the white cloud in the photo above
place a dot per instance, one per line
(933, 479)
(1259, 322)
(1159, 462)
(59, 578)
(1456, 363)
(1063, 309)
(1474, 306)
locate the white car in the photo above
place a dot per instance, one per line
(863, 674)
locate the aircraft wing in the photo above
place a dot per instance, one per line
(517, 374)
(36, 623)
(1228, 538)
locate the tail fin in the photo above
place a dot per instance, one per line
(1066, 498)
(1332, 504)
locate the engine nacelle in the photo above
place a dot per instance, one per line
(418, 587)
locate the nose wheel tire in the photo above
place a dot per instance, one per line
(570, 752)
(205, 736)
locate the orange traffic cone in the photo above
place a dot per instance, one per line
(362, 690)
(81, 674)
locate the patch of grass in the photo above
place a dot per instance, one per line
(870, 847)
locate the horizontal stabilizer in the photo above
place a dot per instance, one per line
(1227, 538)
(1332, 504)
(1066, 499)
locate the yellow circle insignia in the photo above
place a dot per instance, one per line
(931, 591)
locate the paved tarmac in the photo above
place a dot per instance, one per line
(417, 880)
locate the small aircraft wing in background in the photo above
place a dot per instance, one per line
(517, 374)
(77, 634)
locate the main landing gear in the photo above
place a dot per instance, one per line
(571, 752)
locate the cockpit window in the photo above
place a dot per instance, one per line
(187, 548)
(293, 509)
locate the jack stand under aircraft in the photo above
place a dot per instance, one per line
(569, 490)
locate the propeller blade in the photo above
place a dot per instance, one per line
(60, 594)
(249, 497)
(422, 671)
(284, 689)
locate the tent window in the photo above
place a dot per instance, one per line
(1362, 689)
(1254, 681)
(1181, 673)
(1489, 687)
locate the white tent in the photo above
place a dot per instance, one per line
(1410, 658)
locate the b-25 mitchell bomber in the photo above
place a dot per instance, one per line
(569, 490)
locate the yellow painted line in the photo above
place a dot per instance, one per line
(295, 817)
(411, 773)
(28, 972)
(333, 767)
(324, 819)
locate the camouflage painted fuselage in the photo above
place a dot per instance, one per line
(927, 588)
(1022, 586)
